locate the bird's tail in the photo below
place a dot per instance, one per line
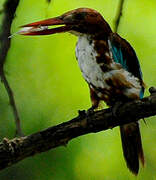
(132, 146)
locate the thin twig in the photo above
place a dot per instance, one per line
(12, 151)
(12, 103)
(118, 15)
(9, 11)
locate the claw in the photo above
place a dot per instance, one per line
(90, 111)
(82, 113)
(115, 108)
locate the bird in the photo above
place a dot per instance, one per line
(109, 65)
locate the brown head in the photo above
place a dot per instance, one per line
(78, 21)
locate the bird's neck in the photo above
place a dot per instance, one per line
(92, 53)
(85, 39)
(85, 46)
(88, 44)
(96, 36)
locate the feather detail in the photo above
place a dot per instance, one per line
(124, 54)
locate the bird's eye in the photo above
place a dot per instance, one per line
(80, 16)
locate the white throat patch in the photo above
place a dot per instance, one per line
(95, 76)
(86, 56)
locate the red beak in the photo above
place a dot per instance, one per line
(41, 27)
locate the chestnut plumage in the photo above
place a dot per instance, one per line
(108, 64)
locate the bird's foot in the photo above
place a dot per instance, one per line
(90, 110)
(82, 113)
(115, 108)
(86, 113)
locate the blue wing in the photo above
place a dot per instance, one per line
(124, 54)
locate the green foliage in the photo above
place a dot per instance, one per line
(49, 89)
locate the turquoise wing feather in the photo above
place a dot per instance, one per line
(128, 60)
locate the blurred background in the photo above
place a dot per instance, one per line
(49, 89)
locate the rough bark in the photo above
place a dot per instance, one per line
(12, 151)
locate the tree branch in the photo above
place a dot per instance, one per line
(118, 15)
(9, 11)
(12, 151)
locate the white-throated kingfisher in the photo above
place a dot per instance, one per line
(108, 64)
